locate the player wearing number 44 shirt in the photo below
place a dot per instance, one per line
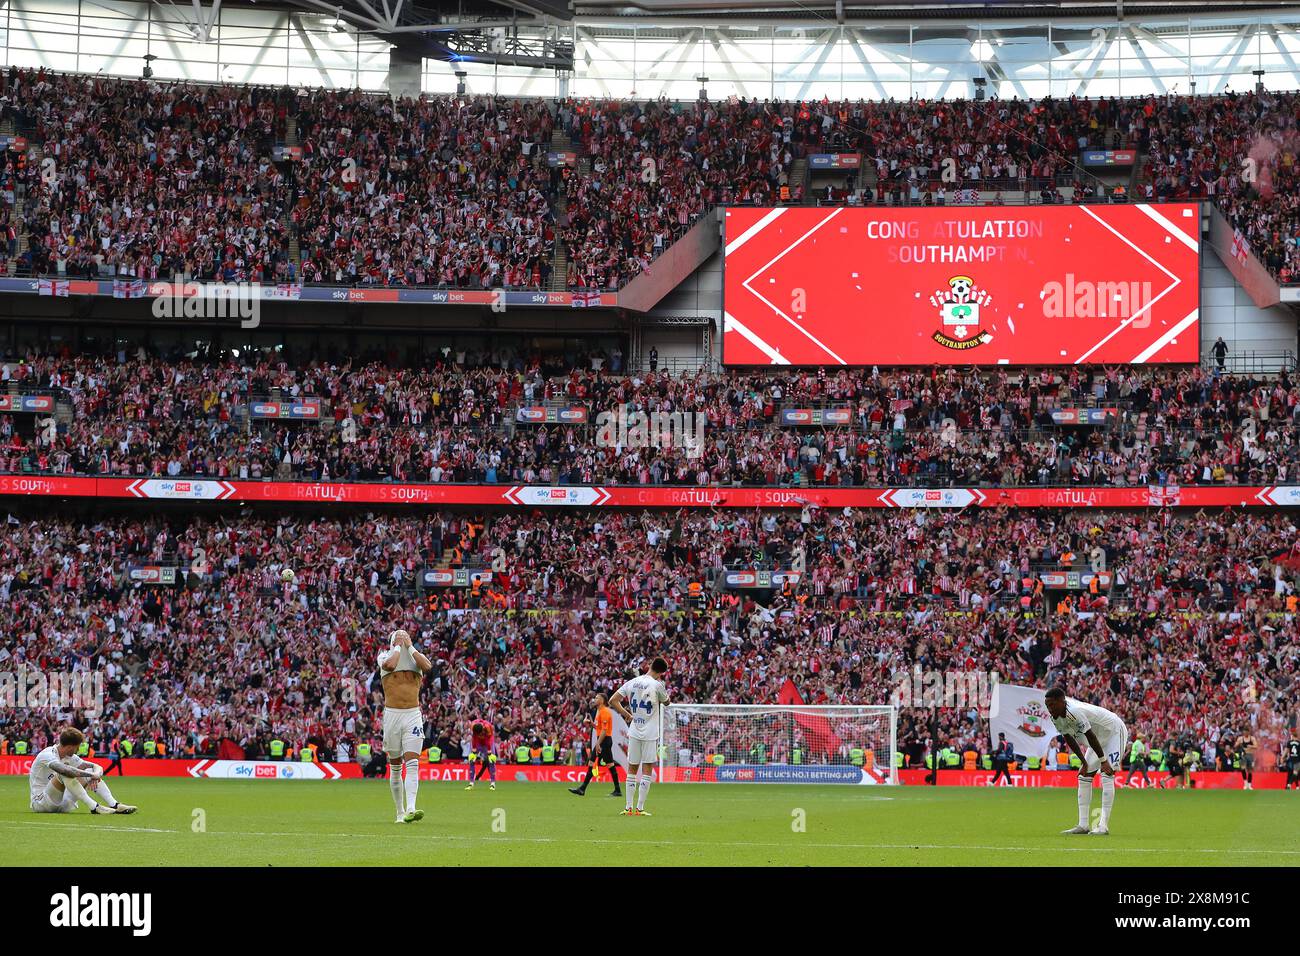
(401, 669)
(640, 702)
(1293, 763)
(1097, 737)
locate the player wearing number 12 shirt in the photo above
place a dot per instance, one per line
(1098, 737)
(644, 697)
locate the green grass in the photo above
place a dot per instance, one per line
(349, 823)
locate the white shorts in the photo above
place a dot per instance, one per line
(403, 731)
(642, 751)
(54, 800)
(1114, 745)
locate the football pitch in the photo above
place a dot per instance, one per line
(349, 823)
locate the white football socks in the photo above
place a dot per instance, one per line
(74, 786)
(630, 790)
(395, 785)
(645, 788)
(101, 789)
(412, 783)
(1107, 798)
(1085, 800)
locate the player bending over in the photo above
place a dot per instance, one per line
(401, 669)
(604, 733)
(57, 780)
(1097, 737)
(482, 751)
(645, 696)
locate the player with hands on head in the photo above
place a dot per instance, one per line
(401, 669)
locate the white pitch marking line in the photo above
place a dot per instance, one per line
(43, 823)
(692, 843)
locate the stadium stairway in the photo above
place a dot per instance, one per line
(63, 413)
(799, 178)
(7, 128)
(560, 255)
(290, 230)
(35, 155)
(867, 177)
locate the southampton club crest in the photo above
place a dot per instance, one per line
(959, 311)
(1033, 719)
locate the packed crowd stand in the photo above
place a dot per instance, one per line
(454, 419)
(1195, 641)
(155, 179)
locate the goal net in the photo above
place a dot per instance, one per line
(752, 743)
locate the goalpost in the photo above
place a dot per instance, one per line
(779, 743)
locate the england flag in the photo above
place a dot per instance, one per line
(128, 289)
(1240, 248)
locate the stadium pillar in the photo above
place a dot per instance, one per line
(404, 69)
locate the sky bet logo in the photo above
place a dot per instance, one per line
(76, 909)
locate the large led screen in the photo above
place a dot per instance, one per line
(964, 285)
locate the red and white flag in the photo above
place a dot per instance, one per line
(1240, 248)
(128, 289)
(581, 300)
(57, 287)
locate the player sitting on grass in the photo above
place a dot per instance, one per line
(56, 780)
(645, 696)
(401, 669)
(1097, 737)
(483, 752)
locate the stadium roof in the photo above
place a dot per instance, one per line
(398, 17)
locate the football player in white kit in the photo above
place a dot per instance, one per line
(401, 668)
(57, 776)
(1098, 737)
(645, 697)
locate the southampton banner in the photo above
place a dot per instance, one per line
(1019, 712)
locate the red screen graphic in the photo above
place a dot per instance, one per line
(962, 285)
